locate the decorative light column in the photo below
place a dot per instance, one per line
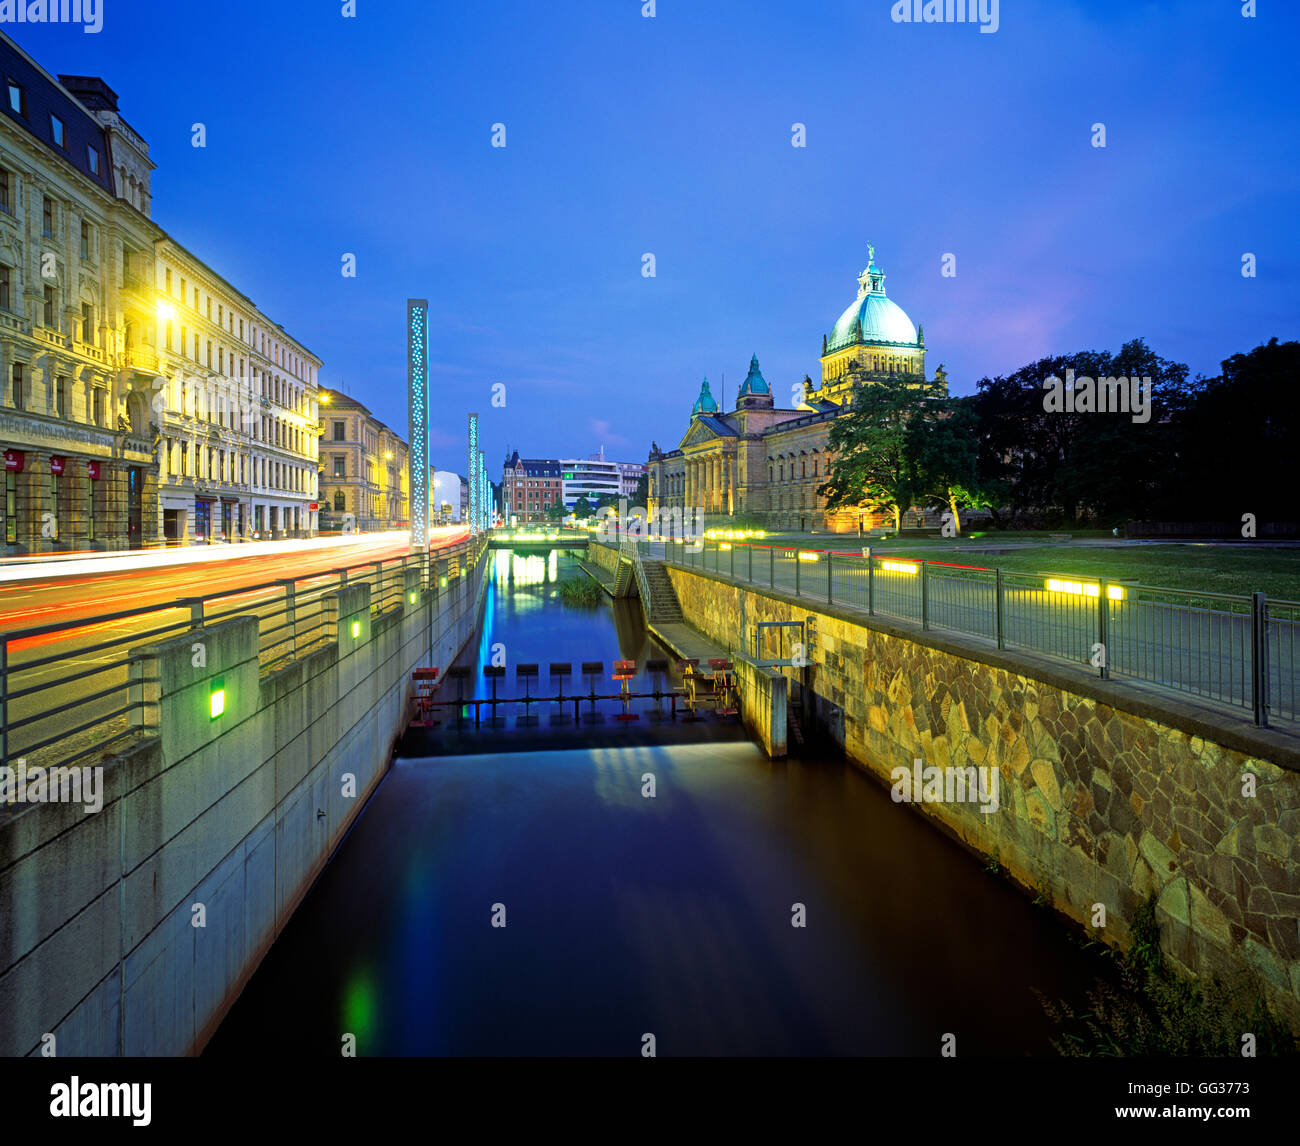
(474, 490)
(417, 386)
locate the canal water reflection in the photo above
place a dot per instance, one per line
(627, 914)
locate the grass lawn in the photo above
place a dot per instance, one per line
(1212, 568)
(1238, 568)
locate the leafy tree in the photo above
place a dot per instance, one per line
(1242, 438)
(1101, 465)
(944, 447)
(555, 511)
(873, 448)
(582, 508)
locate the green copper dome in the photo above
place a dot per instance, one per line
(754, 382)
(705, 403)
(872, 317)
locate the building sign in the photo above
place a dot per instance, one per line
(92, 468)
(314, 506)
(56, 464)
(14, 461)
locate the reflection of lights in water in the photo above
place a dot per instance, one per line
(530, 570)
(553, 565)
(359, 1009)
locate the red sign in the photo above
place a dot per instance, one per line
(315, 505)
(92, 468)
(14, 461)
(56, 464)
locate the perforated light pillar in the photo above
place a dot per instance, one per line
(485, 510)
(417, 384)
(474, 490)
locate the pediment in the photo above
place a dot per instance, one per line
(701, 432)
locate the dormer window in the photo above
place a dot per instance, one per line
(92, 159)
(17, 99)
(57, 132)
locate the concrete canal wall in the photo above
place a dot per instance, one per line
(1107, 791)
(131, 930)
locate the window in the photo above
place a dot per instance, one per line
(17, 99)
(339, 431)
(92, 159)
(57, 133)
(61, 397)
(47, 217)
(4, 193)
(340, 502)
(48, 314)
(340, 467)
(19, 387)
(4, 288)
(85, 239)
(87, 324)
(167, 280)
(97, 406)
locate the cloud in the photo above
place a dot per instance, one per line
(605, 435)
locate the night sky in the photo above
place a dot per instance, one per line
(672, 135)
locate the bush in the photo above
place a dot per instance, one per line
(1152, 1011)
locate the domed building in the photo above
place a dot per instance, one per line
(766, 461)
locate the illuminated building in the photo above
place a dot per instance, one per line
(145, 399)
(364, 466)
(766, 461)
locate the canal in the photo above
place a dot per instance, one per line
(627, 914)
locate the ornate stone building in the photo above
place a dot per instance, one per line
(763, 461)
(142, 398)
(364, 465)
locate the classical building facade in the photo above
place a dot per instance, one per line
(142, 398)
(763, 461)
(365, 468)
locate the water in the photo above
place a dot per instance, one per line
(627, 915)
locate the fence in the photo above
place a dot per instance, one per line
(64, 690)
(1235, 650)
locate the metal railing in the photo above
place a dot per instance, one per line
(64, 686)
(1235, 650)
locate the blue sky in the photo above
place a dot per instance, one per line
(672, 135)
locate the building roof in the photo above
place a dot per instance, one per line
(872, 318)
(705, 403)
(43, 97)
(534, 467)
(754, 382)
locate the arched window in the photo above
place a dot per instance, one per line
(340, 502)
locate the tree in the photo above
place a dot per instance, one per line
(555, 511)
(642, 495)
(943, 443)
(582, 508)
(873, 448)
(1081, 464)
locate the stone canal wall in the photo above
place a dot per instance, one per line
(1107, 792)
(130, 931)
